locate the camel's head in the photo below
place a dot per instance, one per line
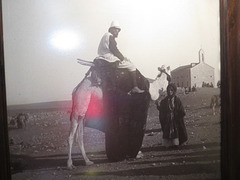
(164, 69)
(159, 86)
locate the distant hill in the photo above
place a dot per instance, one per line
(49, 106)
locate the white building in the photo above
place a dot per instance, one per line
(195, 74)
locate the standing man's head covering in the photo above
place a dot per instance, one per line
(173, 88)
(114, 24)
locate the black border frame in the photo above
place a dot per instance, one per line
(230, 88)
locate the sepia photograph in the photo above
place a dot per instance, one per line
(113, 89)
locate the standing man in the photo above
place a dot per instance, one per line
(108, 51)
(171, 116)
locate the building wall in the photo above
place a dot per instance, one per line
(202, 73)
(195, 76)
(181, 77)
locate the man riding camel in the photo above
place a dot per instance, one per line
(108, 51)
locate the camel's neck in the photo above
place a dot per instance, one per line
(158, 86)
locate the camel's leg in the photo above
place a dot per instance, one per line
(213, 109)
(80, 141)
(73, 128)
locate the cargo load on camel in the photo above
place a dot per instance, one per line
(116, 111)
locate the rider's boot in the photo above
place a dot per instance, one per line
(135, 88)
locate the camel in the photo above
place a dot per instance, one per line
(81, 96)
(20, 121)
(215, 102)
(120, 109)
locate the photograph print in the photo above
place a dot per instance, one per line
(113, 89)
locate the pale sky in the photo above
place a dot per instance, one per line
(43, 39)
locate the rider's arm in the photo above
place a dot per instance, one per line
(113, 48)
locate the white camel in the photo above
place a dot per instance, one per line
(81, 96)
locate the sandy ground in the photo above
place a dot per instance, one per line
(39, 152)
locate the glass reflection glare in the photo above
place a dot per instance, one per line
(65, 40)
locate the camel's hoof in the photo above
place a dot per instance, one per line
(88, 163)
(70, 164)
(70, 167)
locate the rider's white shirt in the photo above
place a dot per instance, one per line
(104, 51)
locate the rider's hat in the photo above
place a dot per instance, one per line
(115, 24)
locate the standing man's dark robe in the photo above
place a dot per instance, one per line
(172, 119)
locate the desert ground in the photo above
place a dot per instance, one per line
(39, 151)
